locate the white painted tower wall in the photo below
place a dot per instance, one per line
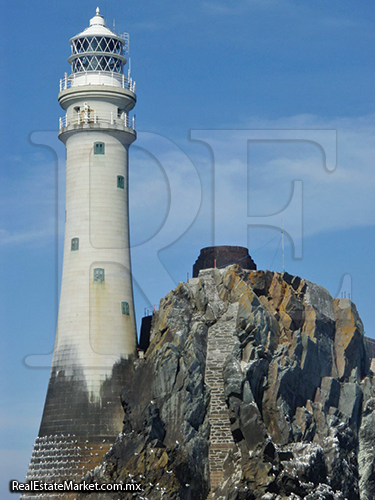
(92, 332)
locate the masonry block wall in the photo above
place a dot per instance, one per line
(223, 256)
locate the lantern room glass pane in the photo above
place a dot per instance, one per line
(97, 44)
(85, 44)
(97, 63)
(94, 45)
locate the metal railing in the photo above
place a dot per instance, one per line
(92, 117)
(97, 78)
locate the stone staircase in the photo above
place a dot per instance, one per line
(220, 342)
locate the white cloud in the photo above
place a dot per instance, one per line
(332, 201)
(29, 202)
(335, 200)
(38, 237)
(341, 22)
(147, 26)
(223, 9)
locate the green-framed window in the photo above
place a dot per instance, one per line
(120, 181)
(98, 274)
(125, 308)
(74, 244)
(99, 148)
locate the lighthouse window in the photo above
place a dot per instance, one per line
(99, 148)
(75, 244)
(120, 181)
(125, 308)
(98, 274)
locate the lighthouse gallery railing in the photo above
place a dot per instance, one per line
(97, 78)
(92, 117)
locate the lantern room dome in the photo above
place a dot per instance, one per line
(98, 19)
(97, 27)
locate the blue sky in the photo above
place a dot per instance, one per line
(257, 65)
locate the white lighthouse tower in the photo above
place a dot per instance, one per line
(96, 332)
(96, 315)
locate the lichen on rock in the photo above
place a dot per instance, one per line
(256, 385)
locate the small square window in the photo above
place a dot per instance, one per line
(120, 182)
(75, 244)
(98, 274)
(125, 308)
(98, 148)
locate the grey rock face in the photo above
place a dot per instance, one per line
(350, 402)
(366, 456)
(256, 385)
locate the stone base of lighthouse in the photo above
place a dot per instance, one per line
(75, 432)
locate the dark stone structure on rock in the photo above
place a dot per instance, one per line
(256, 385)
(144, 337)
(222, 256)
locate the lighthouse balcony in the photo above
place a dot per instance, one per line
(92, 120)
(97, 78)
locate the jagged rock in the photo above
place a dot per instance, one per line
(251, 425)
(350, 402)
(233, 378)
(366, 457)
(349, 346)
(329, 393)
(154, 427)
(289, 411)
(256, 375)
(324, 492)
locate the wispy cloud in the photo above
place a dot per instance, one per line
(147, 26)
(219, 9)
(332, 201)
(29, 202)
(223, 9)
(340, 22)
(37, 237)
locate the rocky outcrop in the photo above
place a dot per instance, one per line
(256, 385)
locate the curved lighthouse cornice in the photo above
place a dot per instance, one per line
(98, 107)
(118, 96)
(123, 131)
